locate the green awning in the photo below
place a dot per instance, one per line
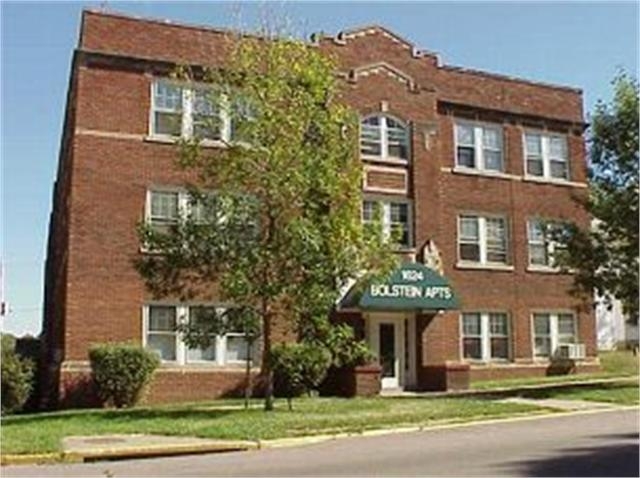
(412, 286)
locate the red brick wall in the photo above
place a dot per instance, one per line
(96, 295)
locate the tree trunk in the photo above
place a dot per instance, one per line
(266, 359)
(248, 386)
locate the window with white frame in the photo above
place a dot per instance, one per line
(394, 217)
(181, 110)
(546, 155)
(479, 147)
(485, 336)
(162, 337)
(552, 329)
(161, 332)
(384, 138)
(166, 208)
(482, 239)
(163, 210)
(543, 248)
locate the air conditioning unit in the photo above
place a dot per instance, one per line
(571, 351)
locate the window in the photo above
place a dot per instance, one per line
(161, 332)
(485, 336)
(479, 147)
(163, 210)
(395, 217)
(196, 354)
(551, 330)
(178, 110)
(167, 109)
(166, 208)
(543, 249)
(385, 138)
(546, 156)
(161, 336)
(482, 240)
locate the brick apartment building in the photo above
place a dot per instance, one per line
(467, 163)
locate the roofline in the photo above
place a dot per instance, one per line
(349, 31)
(502, 76)
(156, 20)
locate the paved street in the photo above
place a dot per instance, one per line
(592, 444)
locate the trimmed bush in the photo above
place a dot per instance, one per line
(17, 377)
(298, 368)
(120, 372)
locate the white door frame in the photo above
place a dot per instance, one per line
(397, 319)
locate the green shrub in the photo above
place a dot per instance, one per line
(17, 377)
(120, 372)
(298, 368)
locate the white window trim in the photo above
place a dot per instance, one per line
(485, 338)
(478, 148)
(187, 115)
(385, 202)
(184, 208)
(546, 158)
(182, 315)
(482, 239)
(553, 331)
(384, 140)
(550, 247)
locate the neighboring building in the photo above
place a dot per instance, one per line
(614, 331)
(467, 163)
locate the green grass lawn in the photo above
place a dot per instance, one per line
(40, 433)
(614, 364)
(621, 395)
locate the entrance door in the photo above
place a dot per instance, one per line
(388, 354)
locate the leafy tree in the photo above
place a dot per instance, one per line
(17, 376)
(605, 257)
(282, 235)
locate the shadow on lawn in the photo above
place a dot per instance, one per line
(122, 414)
(619, 459)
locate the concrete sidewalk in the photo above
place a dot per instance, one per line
(566, 405)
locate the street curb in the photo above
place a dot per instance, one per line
(549, 413)
(133, 452)
(32, 459)
(221, 447)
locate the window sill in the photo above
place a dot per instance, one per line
(205, 143)
(543, 269)
(491, 267)
(487, 363)
(553, 182)
(392, 161)
(204, 366)
(482, 172)
(548, 270)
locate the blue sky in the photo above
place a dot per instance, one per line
(571, 43)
